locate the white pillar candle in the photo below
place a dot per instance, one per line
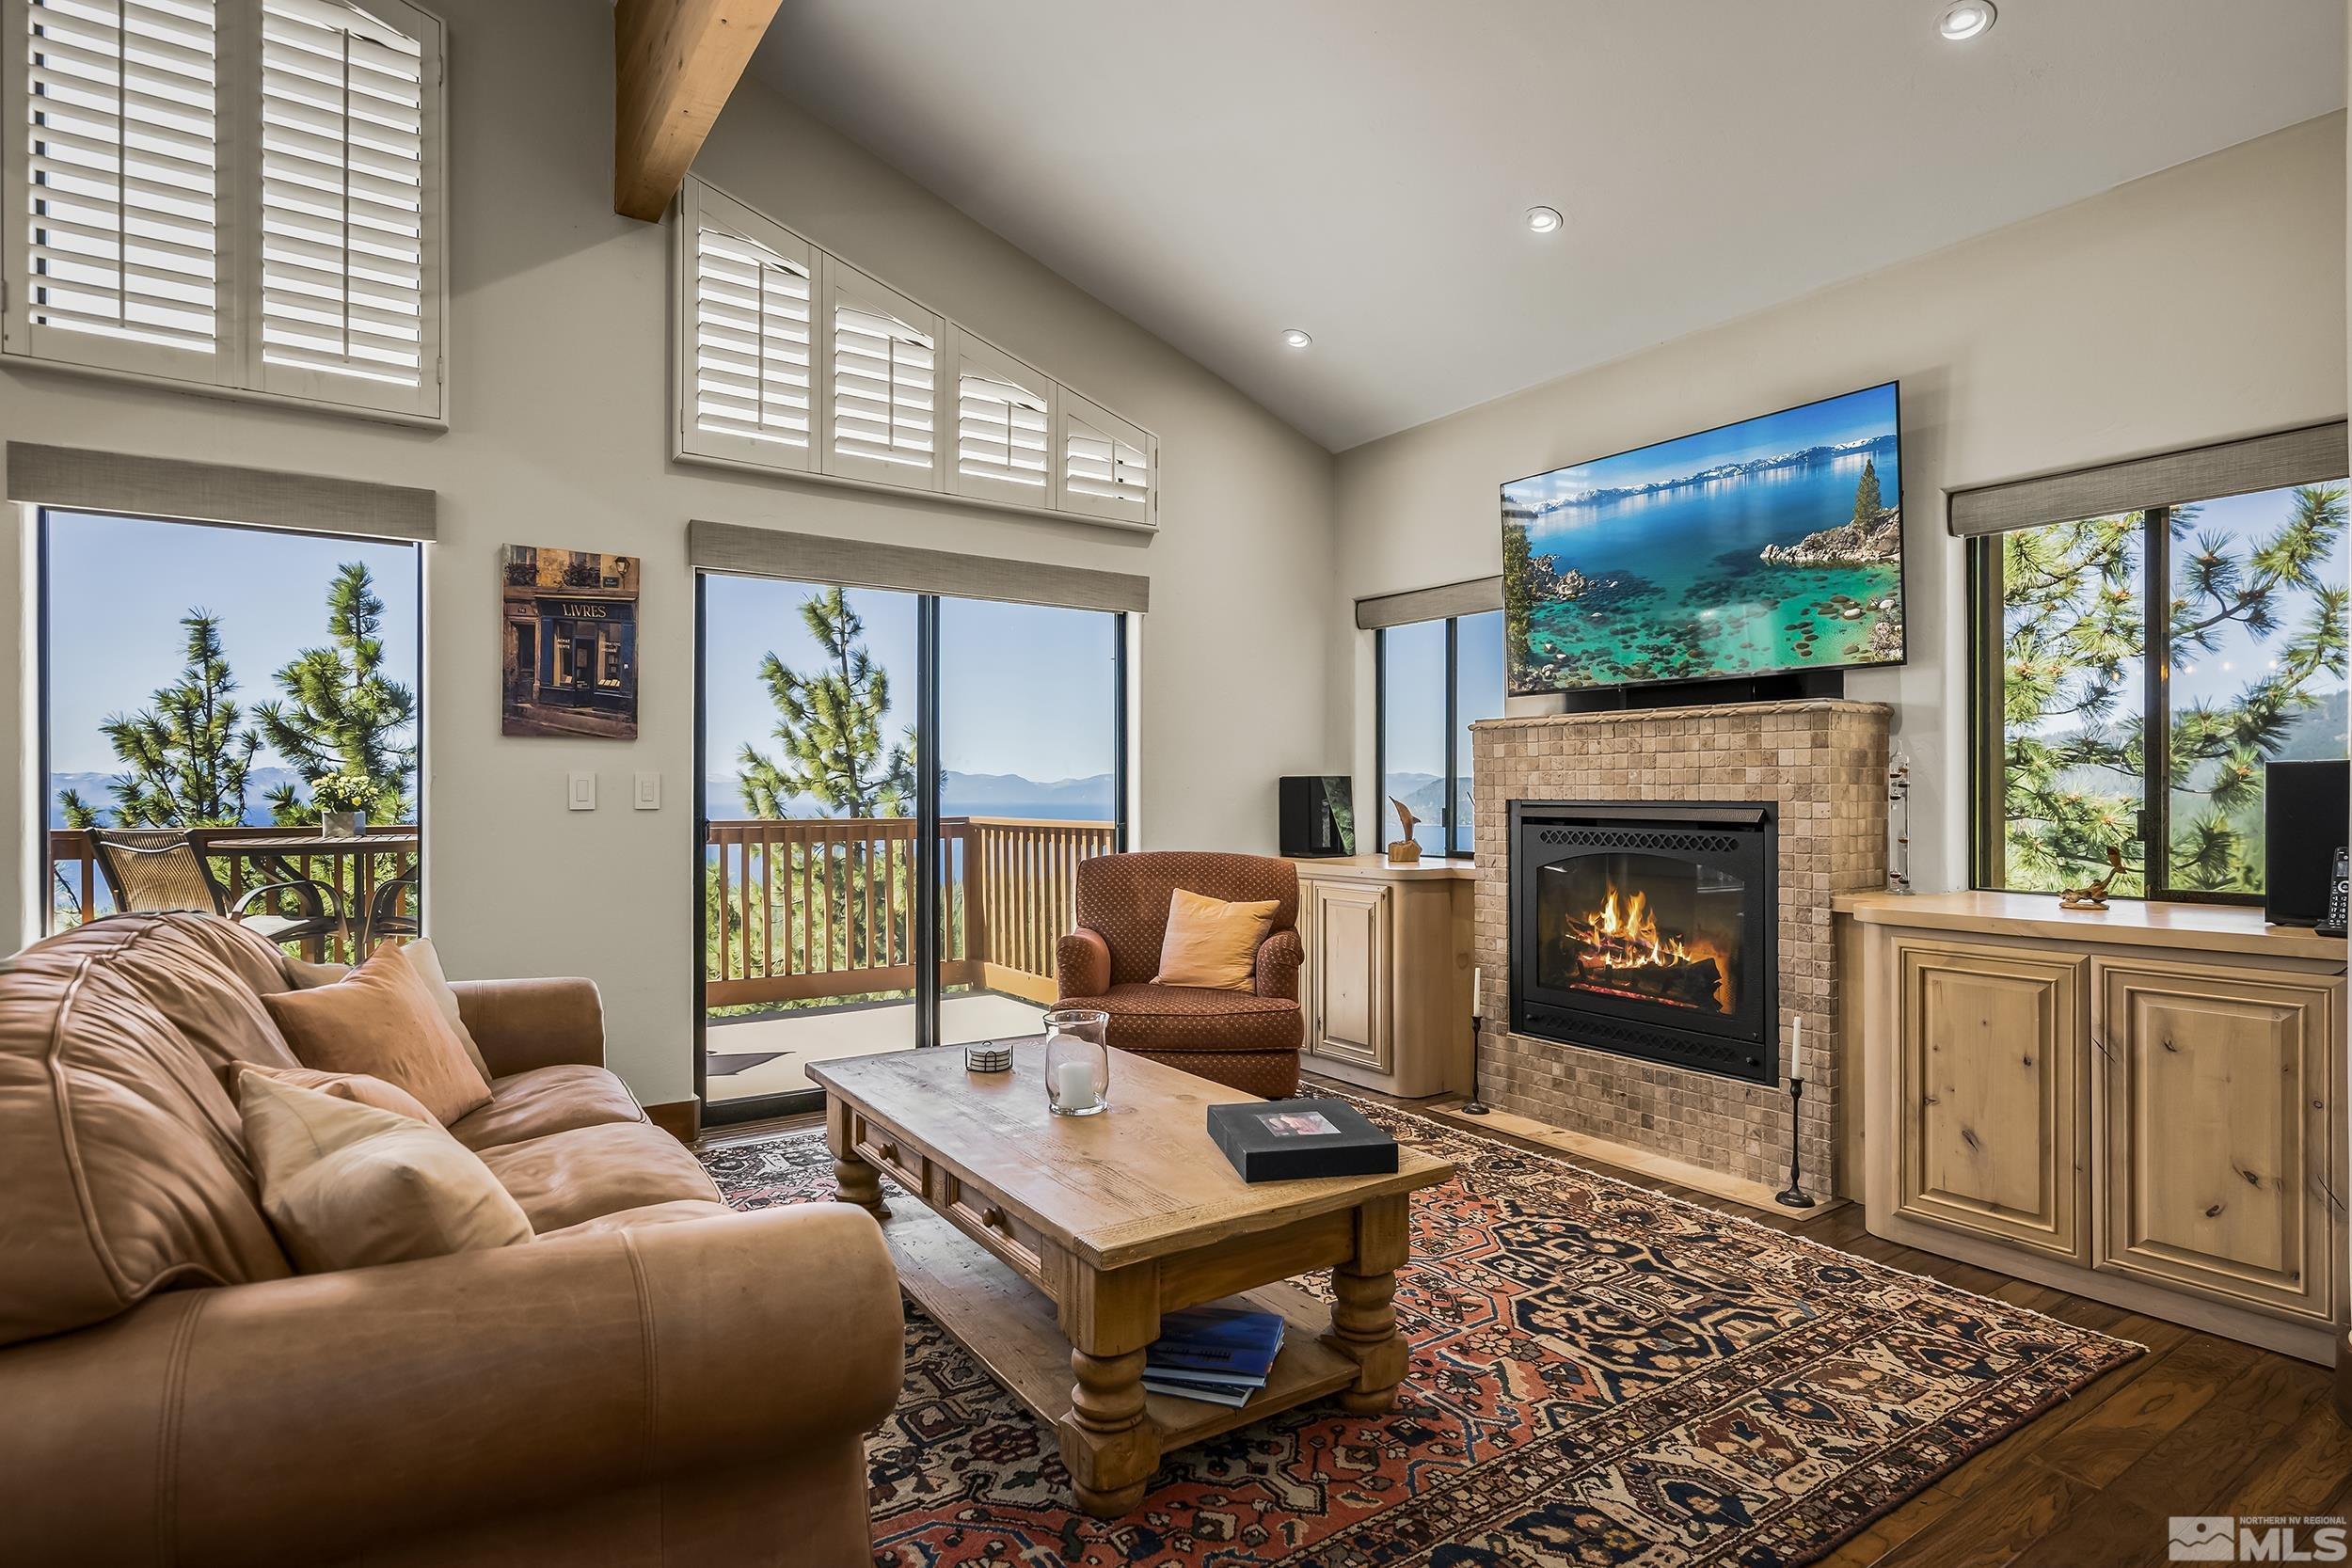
(1796, 1049)
(1074, 1084)
(1478, 992)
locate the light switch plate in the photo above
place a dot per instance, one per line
(648, 795)
(580, 795)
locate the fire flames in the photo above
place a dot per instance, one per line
(1619, 948)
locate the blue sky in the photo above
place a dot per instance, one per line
(1023, 688)
(119, 587)
(1851, 418)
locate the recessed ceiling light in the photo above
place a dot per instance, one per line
(1544, 220)
(1293, 338)
(1967, 20)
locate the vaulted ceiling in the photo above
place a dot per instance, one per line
(1220, 170)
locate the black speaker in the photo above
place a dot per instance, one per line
(1318, 820)
(2304, 809)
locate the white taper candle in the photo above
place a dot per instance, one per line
(1796, 1049)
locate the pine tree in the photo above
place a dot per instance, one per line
(2072, 667)
(1865, 496)
(345, 726)
(186, 759)
(829, 732)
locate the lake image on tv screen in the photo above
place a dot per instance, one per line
(1766, 545)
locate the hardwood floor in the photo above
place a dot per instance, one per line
(2197, 1425)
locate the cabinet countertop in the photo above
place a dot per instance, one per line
(2131, 922)
(1362, 867)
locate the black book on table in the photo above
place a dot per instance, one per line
(1284, 1140)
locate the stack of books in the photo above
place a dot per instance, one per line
(1220, 1354)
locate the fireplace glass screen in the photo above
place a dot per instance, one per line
(1641, 927)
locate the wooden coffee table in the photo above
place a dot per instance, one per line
(1050, 1245)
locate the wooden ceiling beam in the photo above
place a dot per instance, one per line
(674, 64)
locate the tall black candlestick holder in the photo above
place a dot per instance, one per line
(1795, 1197)
(1475, 1107)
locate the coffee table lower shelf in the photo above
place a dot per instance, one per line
(1010, 1326)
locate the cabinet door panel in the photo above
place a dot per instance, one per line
(1351, 974)
(2216, 1142)
(1990, 1096)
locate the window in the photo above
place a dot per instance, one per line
(242, 196)
(902, 397)
(2135, 672)
(219, 687)
(1436, 678)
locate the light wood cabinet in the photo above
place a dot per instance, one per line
(2143, 1107)
(1386, 988)
(1991, 1066)
(2215, 1133)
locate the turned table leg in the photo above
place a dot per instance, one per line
(853, 1179)
(1363, 1310)
(1107, 1446)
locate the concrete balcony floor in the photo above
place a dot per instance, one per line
(790, 1041)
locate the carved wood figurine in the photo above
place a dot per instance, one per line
(1406, 850)
(2094, 895)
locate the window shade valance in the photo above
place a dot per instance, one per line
(2305, 457)
(863, 564)
(76, 479)
(1474, 597)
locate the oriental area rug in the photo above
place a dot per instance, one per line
(1600, 1375)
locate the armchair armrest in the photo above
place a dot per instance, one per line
(300, 1421)
(1276, 966)
(1082, 964)
(521, 1025)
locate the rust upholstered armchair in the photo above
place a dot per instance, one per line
(1247, 1039)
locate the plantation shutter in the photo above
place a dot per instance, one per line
(882, 376)
(121, 186)
(1106, 464)
(1004, 424)
(745, 337)
(343, 205)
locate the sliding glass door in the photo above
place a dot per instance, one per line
(896, 790)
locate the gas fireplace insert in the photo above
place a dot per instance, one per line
(1648, 929)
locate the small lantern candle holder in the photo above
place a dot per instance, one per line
(1077, 1061)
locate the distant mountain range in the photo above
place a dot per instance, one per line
(1088, 799)
(95, 788)
(1710, 476)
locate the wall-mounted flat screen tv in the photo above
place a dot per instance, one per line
(1757, 549)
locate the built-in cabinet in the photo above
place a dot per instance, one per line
(1386, 989)
(2144, 1106)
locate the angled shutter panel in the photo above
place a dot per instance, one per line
(743, 321)
(121, 186)
(347, 305)
(1107, 464)
(882, 382)
(1003, 414)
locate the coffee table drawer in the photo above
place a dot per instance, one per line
(978, 1214)
(879, 1148)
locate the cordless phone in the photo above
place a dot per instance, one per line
(2339, 894)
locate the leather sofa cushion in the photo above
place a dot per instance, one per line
(670, 1213)
(121, 1153)
(565, 1177)
(357, 1087)
(547, 1099)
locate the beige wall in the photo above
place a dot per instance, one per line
(2199, 303)
(558, 437)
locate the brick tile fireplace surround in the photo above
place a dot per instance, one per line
(1822, 766)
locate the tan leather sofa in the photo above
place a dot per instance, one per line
(652, 1380)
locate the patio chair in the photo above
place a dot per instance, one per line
(154, 869)
(392, 911)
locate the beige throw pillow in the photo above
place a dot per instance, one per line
(357, 1087)
(428, 966)
(383, 1022)
(347, 1186)
(1211, 942)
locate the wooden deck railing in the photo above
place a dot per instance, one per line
(814, 908)
(353, 867)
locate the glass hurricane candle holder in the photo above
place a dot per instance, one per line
(1077, 1061)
